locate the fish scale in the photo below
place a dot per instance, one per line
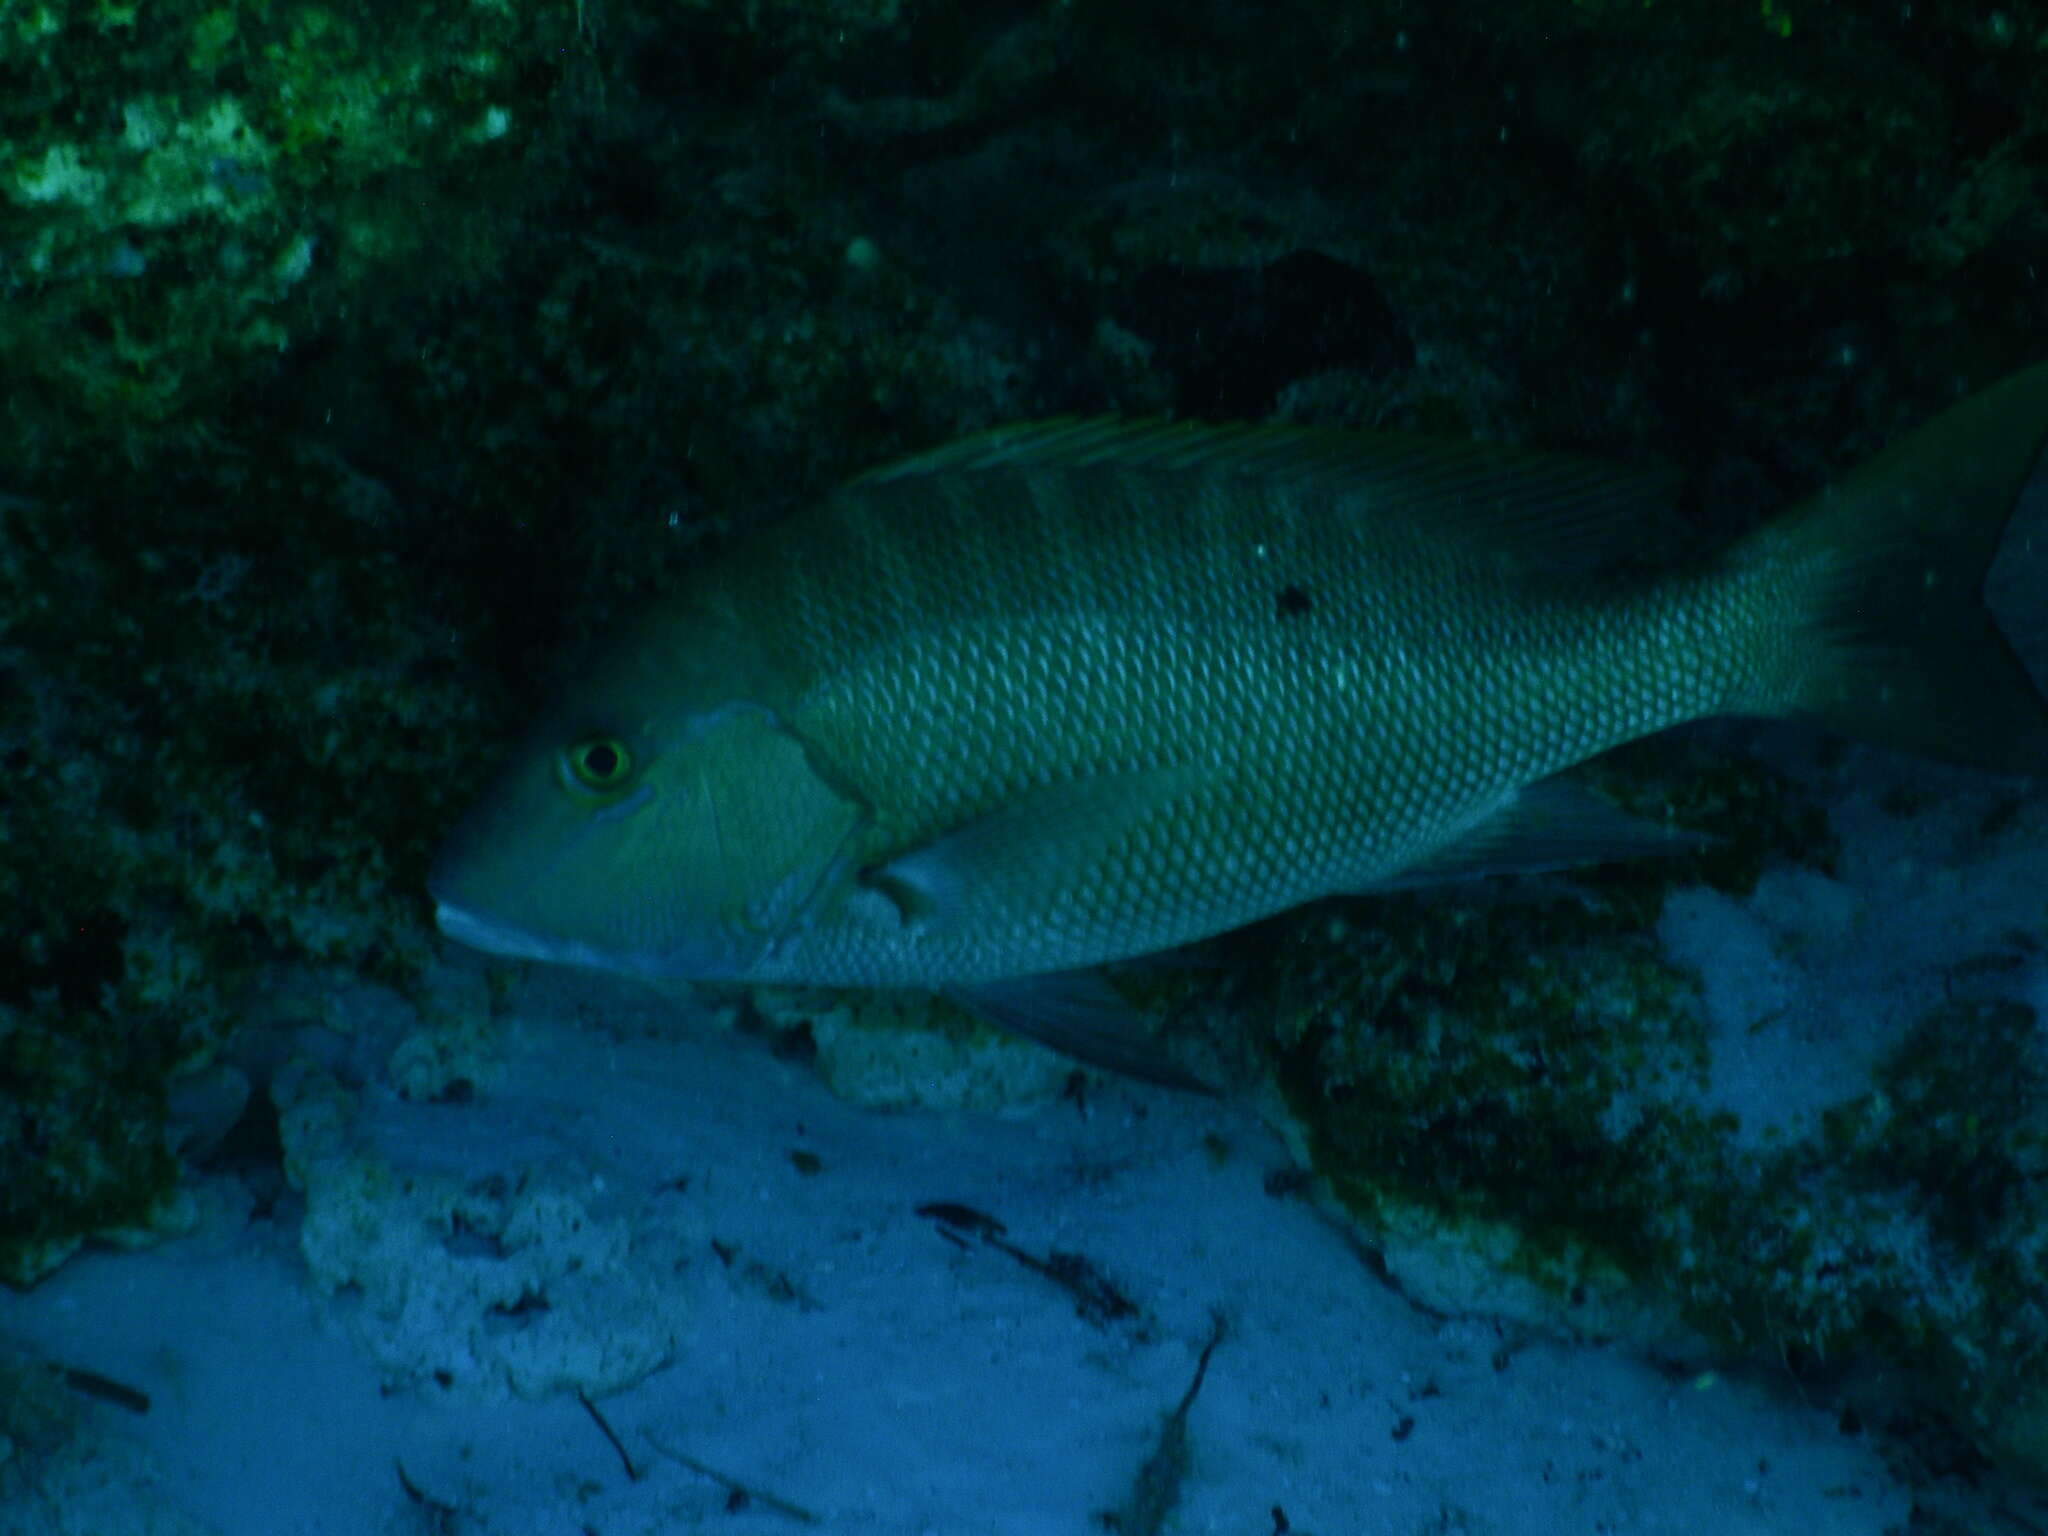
(1024, 667)
(1076, 691)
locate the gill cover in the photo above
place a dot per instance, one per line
(679, 853)
(764, 816)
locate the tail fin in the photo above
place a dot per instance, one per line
(1918, 589)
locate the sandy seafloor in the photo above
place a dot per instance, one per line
(825, 1346)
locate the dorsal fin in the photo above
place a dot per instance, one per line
(1554, 509)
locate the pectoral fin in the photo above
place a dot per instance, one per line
(1018, 858)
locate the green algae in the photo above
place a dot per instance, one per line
(344, 393)
(227, 741)
(1529, 1082)
(187, 189)
(362, 360)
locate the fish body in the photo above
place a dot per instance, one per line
(1073, 692)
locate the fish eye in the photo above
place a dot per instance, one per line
(599, 762)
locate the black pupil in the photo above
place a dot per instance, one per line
(601, 761)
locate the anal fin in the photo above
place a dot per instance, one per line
(1549, 826)
(1078, 1014)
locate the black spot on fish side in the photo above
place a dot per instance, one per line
(1293, 601)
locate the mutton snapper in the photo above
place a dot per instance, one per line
(1072, 692)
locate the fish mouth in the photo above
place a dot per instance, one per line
(495, 938)
(491, 937)
(513, 943)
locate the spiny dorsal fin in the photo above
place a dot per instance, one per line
(1554, 509)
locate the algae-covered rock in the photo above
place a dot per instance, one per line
(458, 1050)
(1955, 1132)
(896, 1050)
(65, 1472)
(527, 1280)
(82, 1147)
(1529, 1109)
(206, 780)
(511, 1282)
(363, 361)
(185, 187)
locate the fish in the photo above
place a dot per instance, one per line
(987, 719)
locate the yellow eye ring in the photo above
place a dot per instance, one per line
(601, 763)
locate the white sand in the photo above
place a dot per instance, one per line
(824, 1344)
